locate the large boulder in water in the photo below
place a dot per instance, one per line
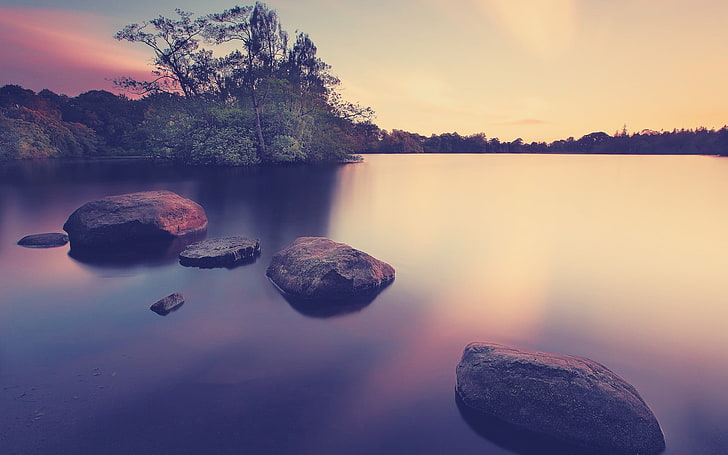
(570, 398)
(319, 269)
(148, 215)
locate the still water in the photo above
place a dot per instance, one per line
(617, 258)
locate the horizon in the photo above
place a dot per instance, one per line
(537, 73)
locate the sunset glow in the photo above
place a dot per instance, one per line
(508, 69)
(66, 52)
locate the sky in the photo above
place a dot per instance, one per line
(540, 70)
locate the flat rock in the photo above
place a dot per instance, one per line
(317, 268)
(168, 304)
(131, 217)
(220, 252)
(573, 399)
(48, 240)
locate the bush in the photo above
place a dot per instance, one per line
(285, 149)
(223, 147)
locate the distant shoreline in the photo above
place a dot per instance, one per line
(545, 153)
(162, 160)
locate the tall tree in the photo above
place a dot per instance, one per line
(263, 46)
(308, 76)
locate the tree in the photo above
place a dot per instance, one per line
(307, 76)
(180, 64)
(264, 44)
(114, 118)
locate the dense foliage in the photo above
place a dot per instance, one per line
(32, 126)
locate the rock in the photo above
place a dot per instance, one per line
(570, 398)
(132, 217)
(168, 304)
(221, 252)
(49, 240)
(317, 268)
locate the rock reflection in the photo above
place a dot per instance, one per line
(147, 253)
(516, 439)
(327, 308)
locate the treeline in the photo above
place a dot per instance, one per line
(267, 101)
(700, 141)
(99, 123)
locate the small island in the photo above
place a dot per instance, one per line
(271, 100)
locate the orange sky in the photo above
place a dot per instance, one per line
(535, 69)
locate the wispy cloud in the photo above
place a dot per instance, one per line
(525, 121)
(64, 51)
(543, 28)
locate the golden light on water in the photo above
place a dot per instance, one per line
(617, 258)
(628, 251)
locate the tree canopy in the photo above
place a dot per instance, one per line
(279, 101)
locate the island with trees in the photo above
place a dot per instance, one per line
(270, 100)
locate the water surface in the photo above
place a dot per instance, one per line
(617, 258)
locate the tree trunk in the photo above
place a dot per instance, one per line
(258, 125)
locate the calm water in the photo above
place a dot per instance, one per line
(620, 259)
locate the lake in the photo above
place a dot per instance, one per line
(621, 259)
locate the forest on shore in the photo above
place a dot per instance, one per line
(699, 141)
(266, 101)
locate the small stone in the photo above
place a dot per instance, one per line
(168, 304)
(220, 252)
(48, 240)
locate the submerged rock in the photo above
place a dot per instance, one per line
(317, 268)
(131, 217)
(168, 304)
(48, 240)
(221, 252)
(570, 398)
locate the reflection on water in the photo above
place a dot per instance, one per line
(616, 258)
(158, 252)
(325, 308)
